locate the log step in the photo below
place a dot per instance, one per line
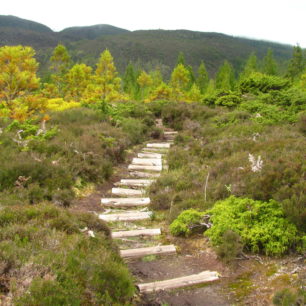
(125, 202)
(128, 216)
(147, 161)
(135, 233)
(142, 167)
(155, 150)
(158, 145)
(156, 250)
(203, 277)
(170, 133)
(149, 155)
(127, 192)
(143, 174)
(135, 182)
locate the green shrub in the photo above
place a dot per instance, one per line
(230, 246)
(287, 297)
(261, 225)
(229, 100)
(259, 82)
(185, 222)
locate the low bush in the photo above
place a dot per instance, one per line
(261, 225)
(69, 266)
(186, 222)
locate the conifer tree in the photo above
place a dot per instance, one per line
(269, 63)
(106, 84)
(180, 80)
(76, 81)
(180, 59)
(250, 66)
(130, 85)
(194, 94)
(60, 62)
(145, 82)
(202, 80)
(18, 82)
(296, 64)
(225, 79)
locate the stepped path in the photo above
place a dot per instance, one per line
(127, 209)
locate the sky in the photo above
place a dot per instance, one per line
(281, 21)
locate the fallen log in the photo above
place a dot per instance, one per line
(149, 155)
(147, 161)
(158, 145)
(135, 182)
(125, 202)
(142, 167)
(127, 192)
(144, 174)
(126, 216)
(195, 279)
(156, 250)
(134, 233)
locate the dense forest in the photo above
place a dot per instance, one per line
(239, 159)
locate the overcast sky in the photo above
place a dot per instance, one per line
(276, 20)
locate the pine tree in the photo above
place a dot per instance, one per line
(202, 80)
(76, 81)
(296, 64)
(130, 85)
(18, 82)
(194, 94)
(269, 63)
(60, 62)
(225, 79)
(180, 80)
(180, 59)
(250, 66)
(145, 82)
(106, 85)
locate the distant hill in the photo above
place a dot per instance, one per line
(90, 32)
(145, 48)
(16, 22)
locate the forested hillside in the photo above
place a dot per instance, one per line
(150, 49)
(235, 181)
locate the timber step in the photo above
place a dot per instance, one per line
(185, 281)
(125, 202)
(143, 167)
(134, 182)
(149, 155)
(155, 250)
(143, 174)
(127, 192)
(159, 145)
(155, 150)
(147, 161)
(170, 133)
(135, 233)
(127, 216)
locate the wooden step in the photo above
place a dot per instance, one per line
(149, 155)
(148, 168)
(135, 233)
(125, 202)
(156, 250)
(127, 216)
(158, 145)
(170, 133)
(144, 174)
(135, 182)
(155, 150)
(147, 161)
(127, 192)
(195, 279)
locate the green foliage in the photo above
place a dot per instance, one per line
(261, 225)
(259, 82)
(225, 78)
(184, 223)
(296, 65)
(69, 266)
(229, 100)
(230, 247)
(269, 63)
(288, 297)
(203, 79)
